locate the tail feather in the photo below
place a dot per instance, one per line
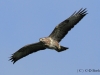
(62, 49)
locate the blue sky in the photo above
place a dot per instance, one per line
(25, 21)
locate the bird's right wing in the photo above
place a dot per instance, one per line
(62, 29)
(26, 50)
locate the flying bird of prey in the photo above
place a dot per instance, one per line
(52, 41)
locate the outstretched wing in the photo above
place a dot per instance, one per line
(62, 29)
(26, 50)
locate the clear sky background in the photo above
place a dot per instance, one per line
(25, 21)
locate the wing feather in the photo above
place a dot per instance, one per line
(62, 29)
(26, 50)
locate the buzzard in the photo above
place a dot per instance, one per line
(52, 41)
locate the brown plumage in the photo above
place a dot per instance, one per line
(62, 29)
(52, 41)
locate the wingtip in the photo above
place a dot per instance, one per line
(12, 59)
(82, 11)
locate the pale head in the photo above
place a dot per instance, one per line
(42, 39)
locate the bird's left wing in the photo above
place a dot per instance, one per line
(26, 50)
(62, 29)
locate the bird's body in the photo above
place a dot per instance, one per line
(51, 44)
(52, 41)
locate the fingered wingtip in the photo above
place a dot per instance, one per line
(12, 59)
(82, 11)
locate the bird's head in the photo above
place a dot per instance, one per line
(42, 40)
